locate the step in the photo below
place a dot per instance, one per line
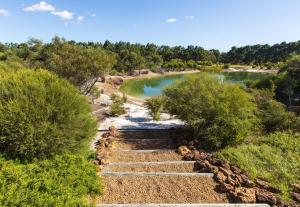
(167, 166)
(148, 134)
(141, 156)
(143, 144)
(186, 205)
(156, 174)
(160, 189)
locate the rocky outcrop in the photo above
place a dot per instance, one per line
(235, 182)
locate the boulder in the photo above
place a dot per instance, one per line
(220, 177)
(189, 156)
(267, 186)
(243, 195)
(235, 169)
(295, 196)
(224, 188)
(183, 150)
(263, 196)
(296, 187)
(227, 172)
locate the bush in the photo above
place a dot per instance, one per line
(219, 114)
(116, 108)
(155, 106)
(62, 181)
(226, 66)
(41, 115)
(274, 157)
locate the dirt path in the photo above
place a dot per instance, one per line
(144, 168)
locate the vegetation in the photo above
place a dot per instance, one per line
(61, 181)
(41, 115)
(274, 157)
(116, 108)
(155, 106)
(220, 114)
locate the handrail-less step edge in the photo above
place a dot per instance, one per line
(156, 174)
(146, 151)
(187, 205)
(149, 163)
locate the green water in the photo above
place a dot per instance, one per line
(147, 87)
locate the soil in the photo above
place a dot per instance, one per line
(182, 168)
(171, 189)
(143, 144)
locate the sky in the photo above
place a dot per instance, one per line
(212, 24)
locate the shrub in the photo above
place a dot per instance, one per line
(116, 108)
(219, 114)
(274, 157)
(226, 66)
(155, 106)
(62, 181)
(41, 115)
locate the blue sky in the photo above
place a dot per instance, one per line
(218, 24)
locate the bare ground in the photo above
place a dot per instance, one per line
(171, 189)
(140, 144)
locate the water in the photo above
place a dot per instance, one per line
(147, 87)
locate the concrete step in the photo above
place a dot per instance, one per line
(142, 144)
(186, 205)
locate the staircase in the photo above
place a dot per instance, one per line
(144, 169)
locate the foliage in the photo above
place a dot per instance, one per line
(155, 106)
(220, 114)
(81, 66)
(95, 93)
(41, 115)
(116, 108)
(62, 181)
(274, 157)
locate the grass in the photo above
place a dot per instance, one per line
(275, 157)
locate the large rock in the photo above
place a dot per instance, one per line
(220, 177)
(295, 196)
(263, 196)
(183, 150)
(265, 185)
(243, 195)
(296, 187)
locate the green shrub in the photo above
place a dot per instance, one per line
(226, 66)
(116, 108)
(155, 106)
(62, 181)
(219, 114)
(274, 157)
(41, 115)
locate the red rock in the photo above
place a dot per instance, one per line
(183, 150)
(263, 196)
(295, 196)
(235, 169)
(244, 195)
(220, 177)
(296, 187)
(265, 185)
(188, 157)
(226, 171)
(224, 188)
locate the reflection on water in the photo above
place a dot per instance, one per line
(146, 87)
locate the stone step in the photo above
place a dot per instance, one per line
(167, 166)
(186, 205)
(157, 174)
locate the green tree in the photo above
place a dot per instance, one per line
(41, 115)
(220, 114)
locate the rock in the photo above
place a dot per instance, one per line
(265, 185)
(183, 150)
(296, 187)
(232, 182)
(235, 169)
(223, 163)
(114, 131)
(188, 157)
(211, 168)
(220, 177)
(244, 195)
(199, 166)
(125, 194)
(295, 196)
(226, 171)
(263, 196)
(224, 188)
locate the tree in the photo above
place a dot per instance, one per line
(41, 115)
(79, 65)
(219, 114)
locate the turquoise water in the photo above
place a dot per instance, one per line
(147, 87)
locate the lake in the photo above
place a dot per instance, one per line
(147, 87)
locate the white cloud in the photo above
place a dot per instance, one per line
(4, 12)
(172, 20)
(190, 17)
(41, 6)
(93, 15)
(80, 18)
(65, 15)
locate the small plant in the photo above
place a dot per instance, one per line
(95, 93)
(124, 98)
(226, 66)
(155, 106)
(116, 108)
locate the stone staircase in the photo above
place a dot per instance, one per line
(143, 169)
